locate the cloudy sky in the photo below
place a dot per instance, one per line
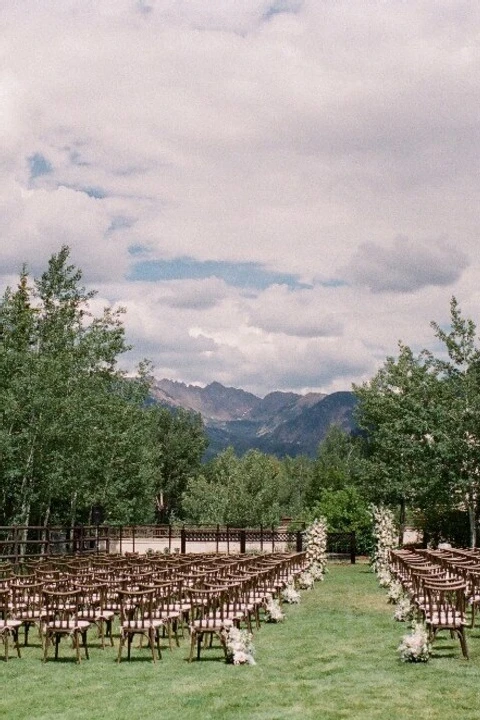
(276, 190)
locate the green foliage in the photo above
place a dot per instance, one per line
(421, 417)
(246, 492)
(346, 511)
(74, 431)
(180, 442)
(335, 464)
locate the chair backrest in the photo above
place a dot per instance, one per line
(209, 606)
(26, 600)
(136, 608)
(445, 602)
(61, 607)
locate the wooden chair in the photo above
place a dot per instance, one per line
(166, 608)
(27, 605)
(94, 610)
(63, 620)
(210, 617)
(137, 617)
(445, 609)
(9, 625)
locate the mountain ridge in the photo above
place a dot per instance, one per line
(281, 423)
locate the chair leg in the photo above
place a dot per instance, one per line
(16, 642)
(109, 632)
(84, 643)
(463, 642)
(192, 645)
(175, 632)
(151, 642)
(76, 642)
(120, 646)
(45, 646)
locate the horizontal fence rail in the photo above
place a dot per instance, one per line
(19, 542)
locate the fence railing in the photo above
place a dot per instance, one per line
(20, 542)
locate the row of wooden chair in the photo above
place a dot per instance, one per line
(440, 586)
(149, 596)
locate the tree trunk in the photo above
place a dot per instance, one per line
(401, 522)
(44, 531)
(472, 520)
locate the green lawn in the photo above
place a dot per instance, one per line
(333, 657)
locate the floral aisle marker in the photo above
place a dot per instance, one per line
(415, 647)
(403, 606)
(273, 611)
(306, 580)
(395, 592)
(290, 595)
(386, 538)
(404, 609)
(316, 548)
(239, 649)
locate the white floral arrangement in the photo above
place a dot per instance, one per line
(273, 611)
(239, 649)
(403, 609)
(317, 572)
(415, 647)
(395, 592)
(290, 595)
(306, 580)
(384, 578)
(386, 538)
(316, 547)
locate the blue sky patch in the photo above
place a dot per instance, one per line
(282, 6)
(120, 222)
(333, 283)
(136, 250)
(39, 165)
(243, 275)
(94, 192)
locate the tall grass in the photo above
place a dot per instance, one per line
(334, 657)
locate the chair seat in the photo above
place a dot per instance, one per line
(166, 614)
(450, 619)
(68, 625)
(9, 625)
(142, 625)
(211, 624)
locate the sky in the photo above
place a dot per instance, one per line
(277, 191)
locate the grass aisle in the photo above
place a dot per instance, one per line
(334, 657)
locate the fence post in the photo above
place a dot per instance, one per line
(299, 543)
(261, 538)
(243, 542)
(169, 537)
(353, 547)
(133, 538)
(217, 537)
(273, 538)
(183, 540)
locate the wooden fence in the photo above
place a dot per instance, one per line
(18, 542)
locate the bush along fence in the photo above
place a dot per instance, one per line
(18, 542)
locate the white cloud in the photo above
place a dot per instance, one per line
(299, 136)
(406, 266)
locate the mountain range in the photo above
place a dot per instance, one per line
(281, 423)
